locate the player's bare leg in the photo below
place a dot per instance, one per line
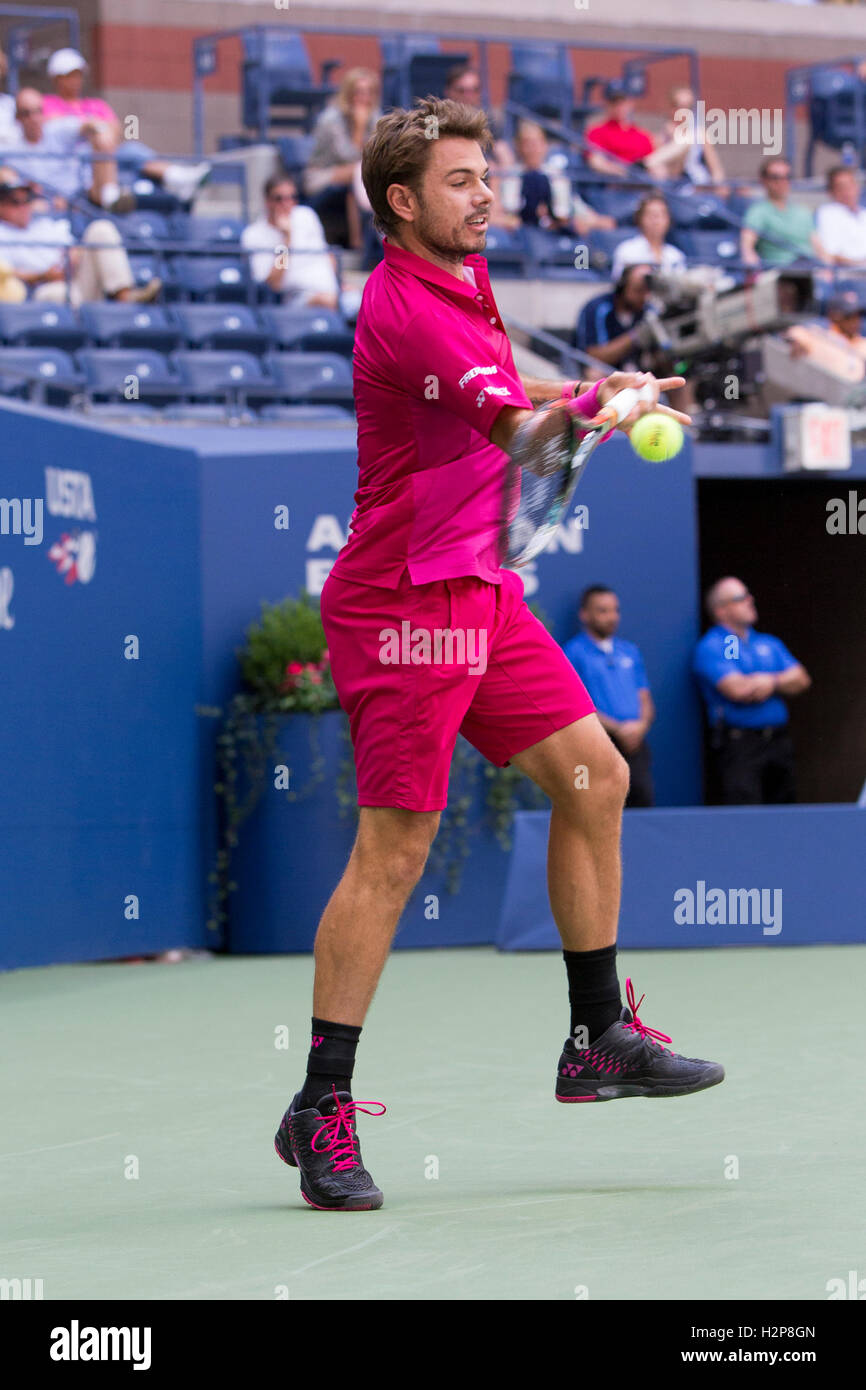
(358, 925)
(317, 1133)
(586, 778)
(610, 1053)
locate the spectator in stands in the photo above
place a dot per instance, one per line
(463, 84)
(841, 223)
(615, 142)
(777, 230)
(332, 177)
(66, 68)
(609, 326)
(649, 247)
(536, 193)
(34, 248)
(744, 677)
(7, 105)
(686, 155)
(292, 256)
(49, 155)
(614, 674)
(837, 344)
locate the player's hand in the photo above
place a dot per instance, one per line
(763, 686)
(630, 734)
(619, 381)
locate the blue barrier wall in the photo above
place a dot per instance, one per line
(108, 771)
(684, 873)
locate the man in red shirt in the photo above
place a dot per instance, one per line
(616, 136)
(440, 406)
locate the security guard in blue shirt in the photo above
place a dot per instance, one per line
(743, 676)
(614, 674)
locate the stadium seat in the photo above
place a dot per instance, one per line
(602, 245)
(300, 414)
(222, 326)
(295, 151)
(834, 93)
(316, 330)
(703, 211)
(619, 203)
(219, 375)
(506, 251)
(542, 80)
(552, 254)
(709, 248)
(113, 324)
(147, 264)
(55, 325)
(413, 65)
(112, 372)
(50, 372)
(210, 278)
(312, 376)
(142, 228)
(277, 72)
(210, 230)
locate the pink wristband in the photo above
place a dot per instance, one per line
(588, 406)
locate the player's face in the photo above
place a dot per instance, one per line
(454, 199)
(601, 615)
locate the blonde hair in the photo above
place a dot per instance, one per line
(349, 82)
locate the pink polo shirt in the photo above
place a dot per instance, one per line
(55, 107)
(432, 370)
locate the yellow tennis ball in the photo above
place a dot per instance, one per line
(656, 437)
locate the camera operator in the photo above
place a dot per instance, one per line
(623, 329)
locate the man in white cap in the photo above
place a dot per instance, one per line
(66, 68)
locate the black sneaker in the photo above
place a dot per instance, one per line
(323, 1144)
(628, 1060)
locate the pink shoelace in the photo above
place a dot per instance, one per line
(636, 1026)
(341, 1136)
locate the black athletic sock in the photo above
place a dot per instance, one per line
(593, 992)
(331, 1061)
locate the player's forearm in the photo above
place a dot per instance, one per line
(539, 392)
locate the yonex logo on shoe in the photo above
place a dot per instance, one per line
(317, 1041)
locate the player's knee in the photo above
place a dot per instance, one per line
(617, 777)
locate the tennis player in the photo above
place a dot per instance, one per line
(440, 409)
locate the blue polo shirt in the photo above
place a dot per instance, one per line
(759, 652)
(613, 678)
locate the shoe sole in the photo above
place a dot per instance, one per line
(350, 1204)
(650, 1092)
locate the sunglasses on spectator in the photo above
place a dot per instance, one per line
(467, 87)
(22, 111)
(17, 196)
(777, 176)
(738, 598)
(284, 197)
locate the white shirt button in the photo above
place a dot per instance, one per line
(492, 320)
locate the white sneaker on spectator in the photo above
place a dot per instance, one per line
(184, 180)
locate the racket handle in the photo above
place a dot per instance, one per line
(620, 405)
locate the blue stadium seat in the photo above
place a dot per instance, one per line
(210, 278)
(312, 376)
(602, 245)
(147, 264)
(222, 326)
(413, 65)
(709, 248)
(506, 251)
(113, 324)
(295, 151)
(54, 325)
(703, 211)
(832, 110)
(143, 228)
(542, 79)
(301, 414)
(50, 372)
(209, 375)
(553, 254)
(210, 230)
(108, 373)
(300, 330)
(619, 203)
(277, 72)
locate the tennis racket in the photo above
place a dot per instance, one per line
(545, 469)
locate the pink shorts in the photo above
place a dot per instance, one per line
(416, 665)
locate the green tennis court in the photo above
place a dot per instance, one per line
(174, 1071)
